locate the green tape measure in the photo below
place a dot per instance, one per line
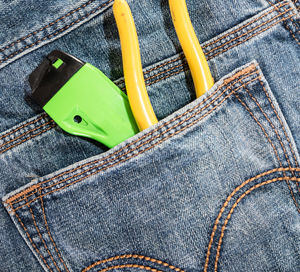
(82, 100)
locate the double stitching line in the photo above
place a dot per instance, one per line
(235, 205)
(275, 150)
(286, 179)
(286, 25)
(141, 151)
(51, 24)
(49, 234)
(52, 125)
(24, 125)
(40, 235)
(281, 123)
(251, 30)
(57, 32)
(177, 66)
(27, 132)
(243, 26)
(238, 188)
(148, 268)
(278, 137)
(33, 244)
(132, 256)
(253, 35)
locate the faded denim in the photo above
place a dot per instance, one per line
(214, 186)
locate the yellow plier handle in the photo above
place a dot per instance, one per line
(134, 78)
(191, 47)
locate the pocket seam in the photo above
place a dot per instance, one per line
(273, 146)
(252, 69)
(132, 256)
(285, 23)
(237, 189)
(49, 234)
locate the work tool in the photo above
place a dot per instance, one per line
(82, 100)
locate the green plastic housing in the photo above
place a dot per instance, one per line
(91, 105)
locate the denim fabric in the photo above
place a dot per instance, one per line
(214, 186)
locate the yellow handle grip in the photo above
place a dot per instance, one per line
(134, 79)
(192, 50)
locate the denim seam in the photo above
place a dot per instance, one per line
(43, 115)
(160, 73)
(27, 132)
(276, 132)
(51, 124)
(147, 268)
(253, 35)
(239, 75)
(235, 205)
(285, 23)
(31, 241)
(49, 234)
(277, 15)
(47, 26)
(124, 159)
(40, 235)
(64, 28)
(49, 36)
(224, 37)
(132, 256)
(275, 150)
(226, 202)
(281, 123)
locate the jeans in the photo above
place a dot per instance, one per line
(214, 186)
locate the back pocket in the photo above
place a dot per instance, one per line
(182, 195)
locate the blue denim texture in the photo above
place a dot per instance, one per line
(214, 186)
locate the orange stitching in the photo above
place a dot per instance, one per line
(244, 26)
(56, 33)
(50, 24)
(228, 200)
(130, 266)
(28, 138)
(48, 230)
(27, 132)
(286, 25)
(141, 151)
(288, 184)
(253, 35)
(166, 76)
(279, 138)
(285, 133)
(249, 69)
(157, 67)
(251, 30)
(181, 56)
(135, 147)
(22, 126)
(34, 246)
(161, 73)
(224, 206)
(39, 233)
(22, 193)
(235, 205)
(134, 256)
(151, 139)
(22, 199)
(275, 130)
